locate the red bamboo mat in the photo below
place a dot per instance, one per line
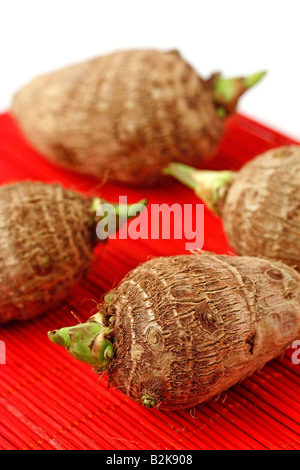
(48, 400)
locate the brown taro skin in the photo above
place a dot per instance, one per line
(188, 327)
(46, 245)
(261, 214)
(121, 116)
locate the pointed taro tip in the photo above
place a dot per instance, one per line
(251, 80)
(60, 337)
(209, 185)
(183, 173)
(86, 342)
(227, 91)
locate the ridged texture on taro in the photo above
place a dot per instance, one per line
(45, 246)
(261, 214)
(189, 327)
(122, 116)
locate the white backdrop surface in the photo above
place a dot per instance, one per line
(231, 36)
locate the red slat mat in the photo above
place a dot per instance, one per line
(48, 400)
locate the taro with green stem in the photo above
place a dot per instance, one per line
(259, 205)
(126, 115)
(48, 234)
(180, 330)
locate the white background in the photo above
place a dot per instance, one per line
(232, 36)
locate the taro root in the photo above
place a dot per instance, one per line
(47, 238)
(125, 115)
(180, 330)
(259, 205)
